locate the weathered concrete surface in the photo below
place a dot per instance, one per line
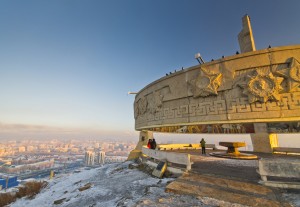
(234, 181)
(262, 141)
(229, 190)
(228, 168)
(171, 157)
(278, 169)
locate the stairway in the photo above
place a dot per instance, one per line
(230, 191)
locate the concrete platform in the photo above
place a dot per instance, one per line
(239, 169)
(235, 182)
(226, 190)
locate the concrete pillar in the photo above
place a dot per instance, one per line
(262, 141)
(143, 140)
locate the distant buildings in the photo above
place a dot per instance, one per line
(30, 157)
(23, 168)
(22, 149)
(100, 159)
(89, 158)
(67, 147)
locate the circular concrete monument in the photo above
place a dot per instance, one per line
(255, 92)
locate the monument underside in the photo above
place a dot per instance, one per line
(228, 95)
(274, 127)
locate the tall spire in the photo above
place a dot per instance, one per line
(246, 40)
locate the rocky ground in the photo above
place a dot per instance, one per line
(110, 185)
(127, 184)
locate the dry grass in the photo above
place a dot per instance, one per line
(60, 201)
(85, 187)
(30, 189)
(7, 198)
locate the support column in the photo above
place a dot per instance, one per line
(143, 140)
(262, 141)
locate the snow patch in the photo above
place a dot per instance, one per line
(118, 185)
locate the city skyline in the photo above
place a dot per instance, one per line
(66, 66)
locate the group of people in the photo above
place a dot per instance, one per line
(151, 144)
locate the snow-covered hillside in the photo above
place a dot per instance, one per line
(111, 185)
(119, 185)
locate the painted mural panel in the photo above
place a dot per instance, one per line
(284, 127)
(210, 129)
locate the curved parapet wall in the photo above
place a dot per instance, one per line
(230, 94)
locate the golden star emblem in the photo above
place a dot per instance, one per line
(262, 86)
(206, 84)
(292, 74)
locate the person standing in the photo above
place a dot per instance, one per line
(153, 144)
(202, 142)
(149, 145)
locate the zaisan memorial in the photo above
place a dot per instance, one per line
(254, 92)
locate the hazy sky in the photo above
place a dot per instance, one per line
(66, 65)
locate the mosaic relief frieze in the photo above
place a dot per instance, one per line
(255, 92)
(284, 127)
(209, 128)
(208, 109)
(273, 127)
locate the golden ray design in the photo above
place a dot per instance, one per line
(206, 84)
(292, 74)
(262, 86)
